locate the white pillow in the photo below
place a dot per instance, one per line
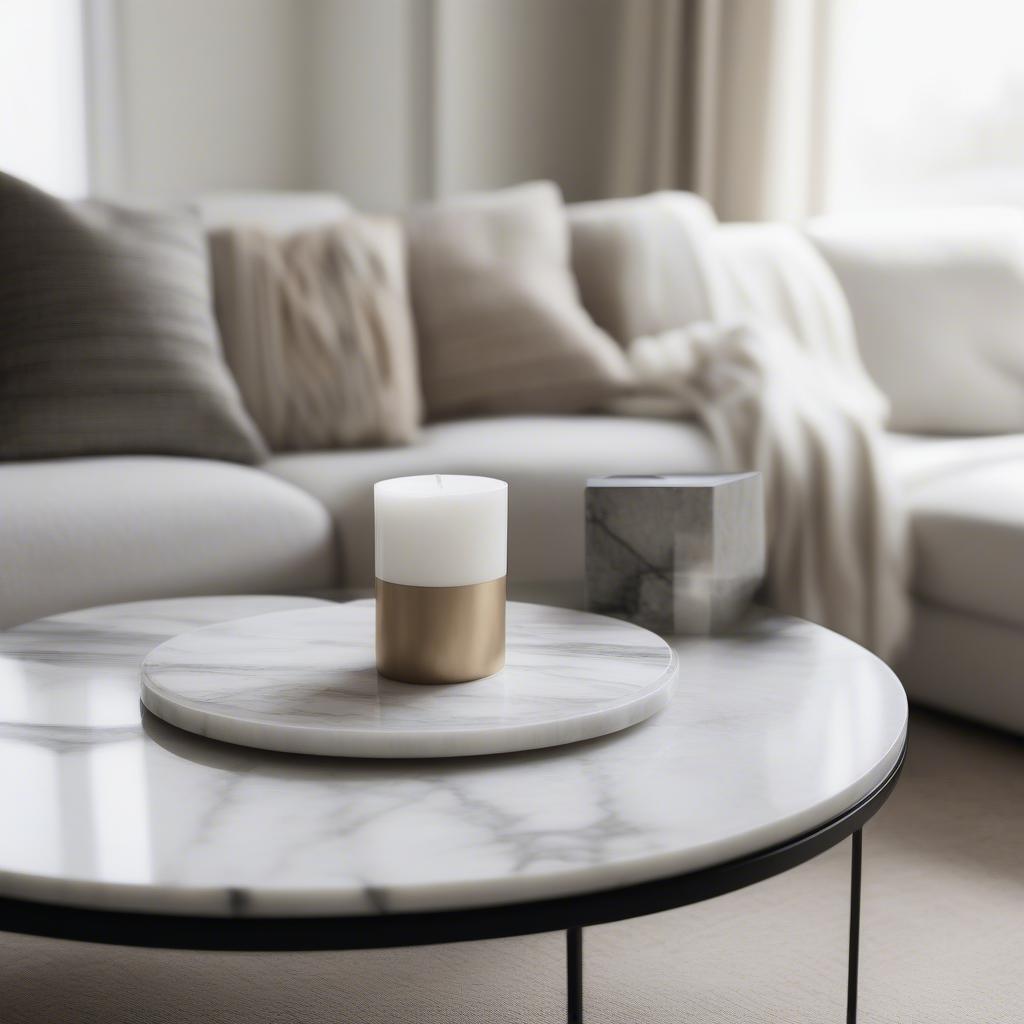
(938, 303)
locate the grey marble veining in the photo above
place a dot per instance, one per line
(771, 731)
(305, 681)
(676, 554)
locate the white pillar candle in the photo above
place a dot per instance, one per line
(440, 531)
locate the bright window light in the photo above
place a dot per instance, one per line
(929, 104)
(42, 94)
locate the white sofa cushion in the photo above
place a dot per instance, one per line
(78, 532)
(938, 303)
(545, 459)
(967, 665)
(966, 501)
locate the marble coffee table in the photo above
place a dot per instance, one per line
(780, 741)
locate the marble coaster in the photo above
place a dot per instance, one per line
(304, 681)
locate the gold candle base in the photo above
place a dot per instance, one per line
(440, 634)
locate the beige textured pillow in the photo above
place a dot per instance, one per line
(500, 324)
(317, 329)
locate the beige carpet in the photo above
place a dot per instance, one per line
(943, 939)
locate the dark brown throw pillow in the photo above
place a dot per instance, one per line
(108, 343)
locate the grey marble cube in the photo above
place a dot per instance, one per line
(677, 554)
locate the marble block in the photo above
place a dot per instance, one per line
(676, 554)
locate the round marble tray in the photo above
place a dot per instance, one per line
(304, 681)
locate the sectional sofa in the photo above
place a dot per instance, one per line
(90, 531)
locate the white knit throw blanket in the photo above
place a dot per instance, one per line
(772, 372)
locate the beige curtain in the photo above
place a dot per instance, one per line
(726, 98)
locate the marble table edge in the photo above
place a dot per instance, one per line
(283, 902)
(216, 900)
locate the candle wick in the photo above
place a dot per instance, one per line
(437, 477)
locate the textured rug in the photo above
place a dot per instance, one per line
(942, 939)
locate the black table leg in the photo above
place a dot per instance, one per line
(574, 948)
(574, 974)
(851, 979)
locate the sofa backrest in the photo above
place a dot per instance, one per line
(278, 212)
(937, 298)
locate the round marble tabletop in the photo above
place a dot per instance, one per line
(305, 681)
(772, 731)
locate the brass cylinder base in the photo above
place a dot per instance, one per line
(440, 634)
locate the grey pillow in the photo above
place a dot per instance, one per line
(108, 343)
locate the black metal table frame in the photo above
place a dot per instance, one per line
(570, 913)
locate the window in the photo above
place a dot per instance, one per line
(929, 104)
(42, 94)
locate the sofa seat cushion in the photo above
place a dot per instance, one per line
(966, 499)
(966, 665)
(78, 532)
(545, 459)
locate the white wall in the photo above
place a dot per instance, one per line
(214, 95)
(386, 101)
(417, 98)
(523, 92)
(372, 99)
